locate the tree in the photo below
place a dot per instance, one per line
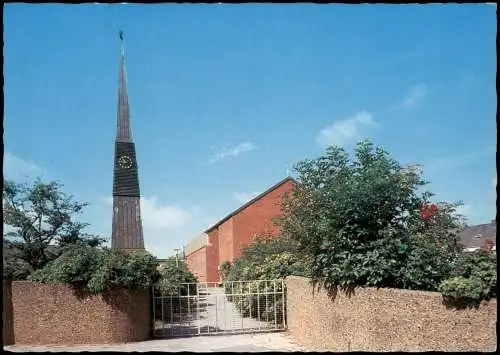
(179, 290)
(41, 224)
(99, 270)
(357, 221)
(176, 279)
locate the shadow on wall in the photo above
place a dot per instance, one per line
(8, 314)
(350, 291)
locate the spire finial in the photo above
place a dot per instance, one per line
(121, 43)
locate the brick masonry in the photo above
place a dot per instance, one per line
(227, 240)
(258, 219)
(212, 251)
(55, 314)
(197, 262)
(386, 320)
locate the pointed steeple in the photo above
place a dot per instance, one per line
(127, 231)
(123, 130)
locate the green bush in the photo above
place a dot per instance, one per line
(224, 270)
(100, 270)
(357, 219)
(259, 299)
(267, 259)
(473, 279)
(178, 288)
(427, 265)
(176, 279)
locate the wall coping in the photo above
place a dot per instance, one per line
(400, 291)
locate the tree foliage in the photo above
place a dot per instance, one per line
(45, 243)
(266, 259)
(176, 279)
(179, 288)
(473, 278)
(100, 270)
(224, 270)
(356, 220)
(40, 225)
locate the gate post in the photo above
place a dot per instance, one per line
(198, 307)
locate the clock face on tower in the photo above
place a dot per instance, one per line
(125, 162)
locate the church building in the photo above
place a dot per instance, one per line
(225, 240)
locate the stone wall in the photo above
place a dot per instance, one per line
(386, 320)
(56, 314)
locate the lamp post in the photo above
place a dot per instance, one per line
(176, 257)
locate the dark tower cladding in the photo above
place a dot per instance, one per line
(127, 226)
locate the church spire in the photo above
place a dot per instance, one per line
(127, 231)
(123, 131)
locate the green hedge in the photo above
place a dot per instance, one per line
(267, 259)
(100, 270)
(473, 279)
(175, 285)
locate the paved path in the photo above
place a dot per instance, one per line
(216, 315)
(223, 315)
(226, 343)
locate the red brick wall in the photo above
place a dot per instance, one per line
(197, 263)
(258, 218)
(226, 242)
(54, 314)
(213, 256)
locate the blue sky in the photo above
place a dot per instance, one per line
(225, 97)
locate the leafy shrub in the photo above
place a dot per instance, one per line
(178, 287)
(176, 279)
(100, 270)
(224, 269)
(266, 259)
(427, 264)
(473, 279)
(358, 221)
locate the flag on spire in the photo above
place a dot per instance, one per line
(121, 35)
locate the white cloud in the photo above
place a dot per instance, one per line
(414, 97)
(245, 196)
(156, 216)
(17, 168)
(232, 151)
(344, 131)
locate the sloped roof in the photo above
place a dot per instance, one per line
(476, 236)
(252, 201)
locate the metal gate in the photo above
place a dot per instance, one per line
(190, 309)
